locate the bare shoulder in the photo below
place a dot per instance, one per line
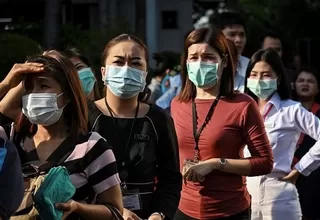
(101, 105)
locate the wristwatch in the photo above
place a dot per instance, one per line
(222, 162)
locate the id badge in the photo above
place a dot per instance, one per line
(187, 163)
(131, 199)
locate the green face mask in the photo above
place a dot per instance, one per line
(203, 74)
(263, 89)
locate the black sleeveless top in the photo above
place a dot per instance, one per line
(151, 158)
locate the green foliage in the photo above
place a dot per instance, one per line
(15, 48)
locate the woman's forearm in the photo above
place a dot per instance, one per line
(93, 211)
(4, 88)
(11, 87)
(240, 167)
(246, 166)
(10, 105)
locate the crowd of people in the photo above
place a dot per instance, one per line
(215, 136)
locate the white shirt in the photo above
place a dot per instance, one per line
(239, 78)
(284, 123)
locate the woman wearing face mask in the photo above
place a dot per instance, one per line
(274, 196)
(142, 135)
(307, 92)
(88, 80)
(213, 125)
(54, 124)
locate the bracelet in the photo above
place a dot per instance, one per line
(159, 213)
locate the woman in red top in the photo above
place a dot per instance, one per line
(213, 125)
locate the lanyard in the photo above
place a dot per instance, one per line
(124, 172)
(197, 133)
(267, 112)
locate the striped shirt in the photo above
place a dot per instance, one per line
(91, 164)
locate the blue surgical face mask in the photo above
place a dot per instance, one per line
(125, 82)
(203, 74)
(263, 89)
(87, 79)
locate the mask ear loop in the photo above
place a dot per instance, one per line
(60, 94)
(57, 101)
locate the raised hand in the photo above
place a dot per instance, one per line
(18, 70)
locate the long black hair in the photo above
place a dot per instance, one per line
(273, 59)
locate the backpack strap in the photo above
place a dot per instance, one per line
(114, 211)
(95, 122)
(94, 115)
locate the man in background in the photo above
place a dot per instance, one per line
(166, 79)
(174, 88)
(160, 82)
(234, 28)
(272, 39)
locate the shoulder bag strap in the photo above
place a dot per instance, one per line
(59, 155)
(115, 212)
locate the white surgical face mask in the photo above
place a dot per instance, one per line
(42, 108)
